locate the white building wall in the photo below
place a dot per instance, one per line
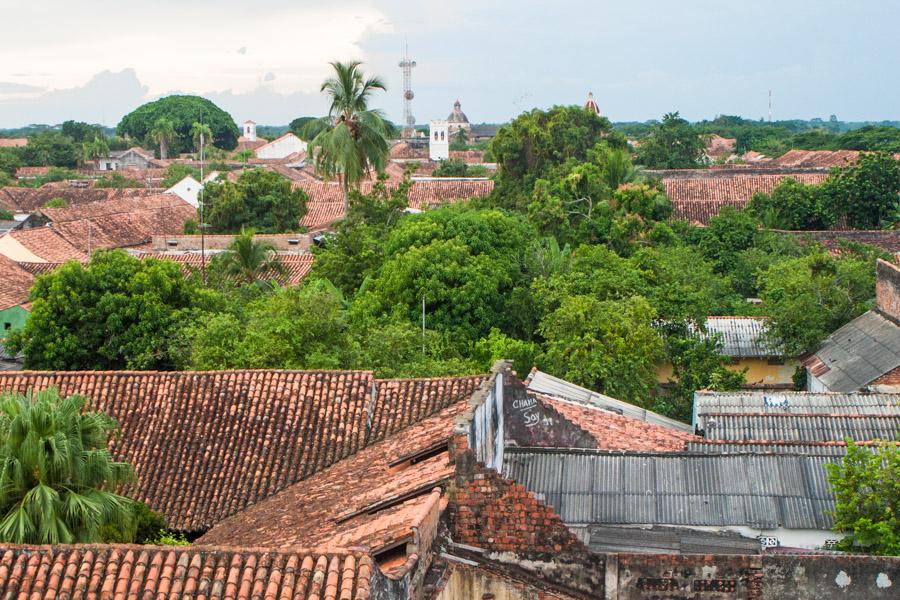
(282, 147)
(438, 140)
(188, 189)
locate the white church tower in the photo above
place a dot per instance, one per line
(438, 140)
(250, 131)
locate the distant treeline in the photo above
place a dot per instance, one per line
(777, 137)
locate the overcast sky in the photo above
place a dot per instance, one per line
(64, 59)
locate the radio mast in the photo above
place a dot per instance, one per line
(409, 120)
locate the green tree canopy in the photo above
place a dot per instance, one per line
(866, 488)
(50, 149)
(811, 296)
(260, 200)
(867, 192)
(182, 112)
(794, 205)
(535, 142)
(58, 482)
(672, 144)
(248, 261)
(117, 312)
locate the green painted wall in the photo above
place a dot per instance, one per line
(11, 319)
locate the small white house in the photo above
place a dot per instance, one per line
(282, 147)
(188, 189)
(438, 140)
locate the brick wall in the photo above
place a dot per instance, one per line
(887, 289)
(891, 378)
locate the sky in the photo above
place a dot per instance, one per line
(264, 60)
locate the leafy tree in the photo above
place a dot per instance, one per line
(594, 342)
(9, 161)
(352, 140)
(298, 127)
(50, 149)
(244, 155)
(163, 133)
(182, 112)
(452, 167)
(58, 481)
(81, 132)
(866, 488)
(178, 171)
(867, 192)
(460, 141)
(144, 526)
(249, 261)
(118, 181)
(872, 138)
(672, 144)
(57, 203)
(118, 312)
(6, 215)
(697, 364)
(811, 296)
(728, 233)
(539, 141)
(793, 205)
(261, 200)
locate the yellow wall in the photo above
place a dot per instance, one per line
(759, 371)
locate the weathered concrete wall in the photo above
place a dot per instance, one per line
(474, 584)
(695, 577)
(822, 577)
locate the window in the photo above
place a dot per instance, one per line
(442, 136)
(7, 326)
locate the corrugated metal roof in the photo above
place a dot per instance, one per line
(768, 402)
(815, 449)
(859, 352)
(543, 383)
(800, 428)
(755, 490)
(742, 337)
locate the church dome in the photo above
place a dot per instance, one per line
(591, 104)
(457, 116)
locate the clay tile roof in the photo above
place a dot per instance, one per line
(13, 142)
(16, 282)
(46, 244)
(617, 432)
(120, 223)
(820, 159)
(325, 204)
(206, 445)
(117, 571)
(404, 150)
(32, 199)
(373, 499)
(298, 265)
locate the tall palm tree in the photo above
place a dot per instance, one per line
(94, 149)
(198, 131)
(163, 133)
(57, 478)
(248, 260)
(352, 140)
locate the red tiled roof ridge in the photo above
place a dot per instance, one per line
(302, 550)
(223, 371)
(455, 377)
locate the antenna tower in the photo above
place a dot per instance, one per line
(409, 120)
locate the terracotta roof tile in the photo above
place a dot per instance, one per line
(736, 188)
(373, 499)
(15, 282)
(617, 432)
(47, 244)
(120, 223)
(298, 265)
(117, 571)
(326, 200)
(206, 445)
(815, 158)
(30, 199)
(13, 142)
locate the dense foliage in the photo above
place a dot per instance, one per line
(866, 487)
(259, 199)
(117, 312)
(58, 481)
(864, 195)
(671, 144)
(181, 112)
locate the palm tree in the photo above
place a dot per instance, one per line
(94, 149)
(352, 139)
(163, 133)
(57, 478)
(198, 131)
(249, 261)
